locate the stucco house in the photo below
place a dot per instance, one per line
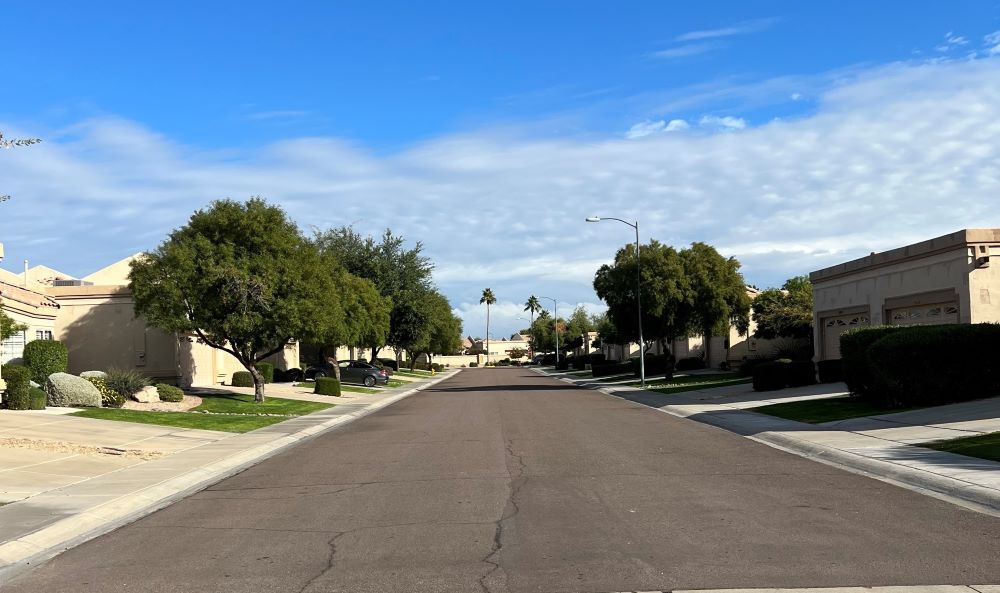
(95, 317)
(948, 279)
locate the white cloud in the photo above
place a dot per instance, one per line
(646, 128)
(891, 155)
(796, 96)
(951, 41)
(684, 51)
(742, 28)
(727, 122)
(992, 42)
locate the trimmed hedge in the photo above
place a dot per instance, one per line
(610, 368)
(770, 376)
(690, 363)
(45, 357)
(854, 345)
(563, 364)
(580, 362)
(18, 378)
(388, 362)
(473, 365)
(242, 379)
(933, 365)
(266, 370)
(169, 393)
(800, 373)
(327, 386)
(830, 371)
(748, 365)
(37, 398)
(656, 364)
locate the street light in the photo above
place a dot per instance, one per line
(638, 292)
(555, 326)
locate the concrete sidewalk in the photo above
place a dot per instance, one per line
(41, 526)
(878, 446)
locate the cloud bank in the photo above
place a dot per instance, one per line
(890, 156)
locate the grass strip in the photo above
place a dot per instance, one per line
(984, 446)
(817, 411)
(232, 412)
(696, 385)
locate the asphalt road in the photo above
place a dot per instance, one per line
(502, 480)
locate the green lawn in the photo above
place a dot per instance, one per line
(413, 373)
(694, 382)
(985, 446)
(816, 411)
(232, 412)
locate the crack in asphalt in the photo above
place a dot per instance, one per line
(332, 543)
(510, 510)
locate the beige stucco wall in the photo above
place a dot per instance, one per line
(115, 274)
(100, 330)
(204, 366)
(984, 287)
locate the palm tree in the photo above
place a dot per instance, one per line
(532, 306)
(489, 298)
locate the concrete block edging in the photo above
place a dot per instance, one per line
(25, 552)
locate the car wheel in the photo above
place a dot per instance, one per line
(369, 381)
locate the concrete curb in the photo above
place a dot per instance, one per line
(965, 494)
(23, 553)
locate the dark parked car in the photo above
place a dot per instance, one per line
(352, 371)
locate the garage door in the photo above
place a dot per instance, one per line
(937, 314)
(833, 327)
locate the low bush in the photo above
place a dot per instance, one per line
(656, 364)
(242, 379)
(45, 357)
(933, 365)
(65, 390)
(327, 386)
(800, 373)
(770, 376)
(473, 365)
(388, 362)
(563, 364)
(125, 382)
(37, 397)
(690, 363)
(109, 397)
(280, 376)
(580, 362)
(18, 378)
(830, 371)
(266, 370)
(437, 368)
(169, 393)
(294, 374)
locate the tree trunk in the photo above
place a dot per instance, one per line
(375, 350)
(352, 353)
(487, 333)
(258, 383)
(332, 360)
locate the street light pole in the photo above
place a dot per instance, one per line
(555, 324)
(638, 292)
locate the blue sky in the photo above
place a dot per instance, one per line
(792, 135)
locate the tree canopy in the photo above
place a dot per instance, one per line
(241, 277)
(445, 328)
(8, 327)
(785, 312)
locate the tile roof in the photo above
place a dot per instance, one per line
(27, 297)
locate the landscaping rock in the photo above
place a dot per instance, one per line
(65, 390)
(147, 395)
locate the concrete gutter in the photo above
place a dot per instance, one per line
(25, 552)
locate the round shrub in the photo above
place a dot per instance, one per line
(169, 393)
(327, 386)
(801, 373)
(266, 370)
(125, 382)
(67, 390)
(109, 397)
(18, 388)
(473, 365)
(294, 374)
(242, 379)
(98, 374)
(37, 398)
(770, 376)
(45, 357)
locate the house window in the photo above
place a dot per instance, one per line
(43, 334)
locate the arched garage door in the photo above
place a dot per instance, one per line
(936, 314)
(832, 327)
